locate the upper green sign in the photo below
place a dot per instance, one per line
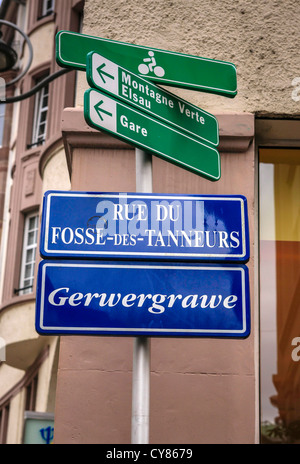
(161, 66)
(106, 75)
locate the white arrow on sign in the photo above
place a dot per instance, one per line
(103, 111)
(105, 74)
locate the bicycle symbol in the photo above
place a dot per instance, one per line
(151, 67)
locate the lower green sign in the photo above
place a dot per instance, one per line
(149, 134)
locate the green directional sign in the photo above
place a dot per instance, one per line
(161, 66)
(115, 80)
(150, 134)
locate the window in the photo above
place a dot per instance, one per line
(40, 115)
(2, 108)
(279, 183)
(29, 384)
(4, 413)
(46, 8)
(29, 253)
(31, 391)
(2, 120)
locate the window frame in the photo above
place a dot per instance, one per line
(269, 133)
(40, 110)
(31, 393)
(2, 122)
(4, 416)
(44, 9)
(24, 288)
(31, 380)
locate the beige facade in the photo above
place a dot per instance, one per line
(260, 38)
(201, 390)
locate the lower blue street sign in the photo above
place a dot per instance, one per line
(142, 299)
(145, 226)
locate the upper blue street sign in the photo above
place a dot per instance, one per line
(142, 299)
(142, 226)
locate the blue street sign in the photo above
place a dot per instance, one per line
(142, 299)
(144, 226)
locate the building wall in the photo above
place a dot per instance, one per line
(260, 38)
(202, 391)
(29, 356)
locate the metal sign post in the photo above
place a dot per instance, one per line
(140, 415)
(140, 391)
